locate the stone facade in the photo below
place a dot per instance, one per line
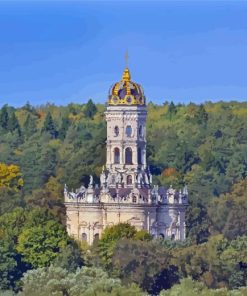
(126, 193)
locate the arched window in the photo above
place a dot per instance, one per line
(84, 236)
(139, 155)
(96, 237)
(128, 131)
(161, 236)
(128, 155)
(116, 155)
(140, 131)
(116, 131)
(129, 180)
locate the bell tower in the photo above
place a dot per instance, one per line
(125, 193)
(126, 135)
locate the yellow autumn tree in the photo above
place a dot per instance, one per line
(10, 176)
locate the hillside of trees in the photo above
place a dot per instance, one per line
(44, 147)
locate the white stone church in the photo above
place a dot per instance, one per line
(126, 192)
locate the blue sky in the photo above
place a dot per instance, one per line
(70, 51)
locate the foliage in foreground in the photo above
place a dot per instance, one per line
(145, 264)
(86, 281)
(30, 239)
(188, 287)
(111, 235)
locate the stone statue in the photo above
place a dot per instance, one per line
(91, 182)
(180, 196)
(153, 192)
(146, 179)
(185, 194)
(119, 178)
(66, 192)
(72, 195)
(171, 194)
(69, 195)
(185, 190)
(112, 180)
(65, 189)
(80, 195)
(171, 190)
(82, 189)
(108, 179)
(103, 178)
(139, 179)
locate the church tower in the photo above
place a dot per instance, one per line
(125, 193)
(126, 116)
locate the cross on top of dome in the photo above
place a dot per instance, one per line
(127, 58)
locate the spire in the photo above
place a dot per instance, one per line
(127, 58)
(126, 74)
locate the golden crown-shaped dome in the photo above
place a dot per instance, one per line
(126, 92)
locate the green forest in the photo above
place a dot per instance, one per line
(201, 146)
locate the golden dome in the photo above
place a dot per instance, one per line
(126, 92)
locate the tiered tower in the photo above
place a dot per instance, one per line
(126, 115)
(125, 193)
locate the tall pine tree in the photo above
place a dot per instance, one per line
(63, 129)
(90, 109)
(4, 117)
(201, 115)
(29, 126)
(49, 126)
(13, 124)
(172, 110)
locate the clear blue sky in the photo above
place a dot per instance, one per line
(66, 51)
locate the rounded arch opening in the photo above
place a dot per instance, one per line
(128, 155)
(96, 237)
(116, 155)
(84, 237)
